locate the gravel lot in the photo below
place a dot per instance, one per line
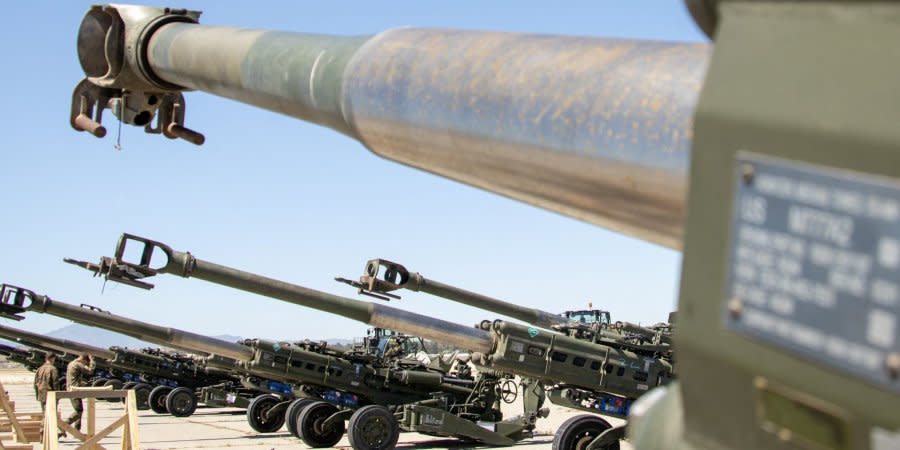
(226, 428)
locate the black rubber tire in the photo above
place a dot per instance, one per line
(181, 402)
(309, 425)
(157, 399)
(142, 395)
(577, 432)
(116, 385)
(373, 427)
(293, 413)
(128, 385)
(99, 382)
(256, 414)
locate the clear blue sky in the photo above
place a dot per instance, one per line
(283, 198)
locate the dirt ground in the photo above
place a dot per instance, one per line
(227, 428)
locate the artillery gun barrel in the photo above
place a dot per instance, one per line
(186, 265)
(7, 350)
(60, 345)
(30, 344)
(594, 128)
(183, 340)
(31, 359)
(373, 314)
(396, 276)
(646, 332)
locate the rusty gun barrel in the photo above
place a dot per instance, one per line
(594, 128)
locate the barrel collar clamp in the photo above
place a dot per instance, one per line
(143, 44)
(187, 268)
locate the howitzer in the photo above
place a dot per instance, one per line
(31, 359)
(123, 368)
(116, 367)
(54, 344)
(423, 396)
(584, 375)
(394, 276)
(179, 383)
(797, 120)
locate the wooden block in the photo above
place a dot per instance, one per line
(14, 446)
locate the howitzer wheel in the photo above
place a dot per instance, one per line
(258, 417)
(157, 399)
(116, 385)
(293, 413)
(181, 402)
(99, 382)
(142, 395)
(310, 425)
(128, 385)
(509, 391)
(373, 427)
(579, 431)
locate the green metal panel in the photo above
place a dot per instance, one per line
(809, 82)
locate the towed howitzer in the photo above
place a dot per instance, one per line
(65, 350)
(395, 276)
(117, 367)
(441, 402)
(173, 385)
(152, 374)
(770, 136)
(583, 375)
(31, 359)
(53, 344)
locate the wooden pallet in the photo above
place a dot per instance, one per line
(90, 440)
(19, 427)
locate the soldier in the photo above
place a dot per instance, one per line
(78, 372)
(46, 378)
(393, 349)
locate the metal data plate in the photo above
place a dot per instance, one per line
(814, 265)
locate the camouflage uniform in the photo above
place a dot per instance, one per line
(77, 374)
(46, 378)
(393, 349)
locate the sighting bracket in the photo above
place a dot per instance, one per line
(394, 277)
(116, 269)
(14, 301)
(120, 272)
(363, 290)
